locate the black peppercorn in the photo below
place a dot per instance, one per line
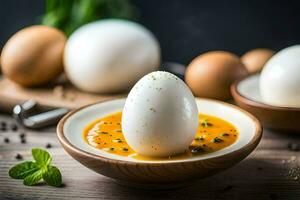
(19, 157)
(22, 135)
(23, 140)
(6, 140)
(48, 145)
(14, 127)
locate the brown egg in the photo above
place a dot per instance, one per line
(255, 59)
(211, 74)
(33, 56)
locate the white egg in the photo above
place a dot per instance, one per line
(160, 116)
(280, 78)
(110, 55)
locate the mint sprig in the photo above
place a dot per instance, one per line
(32, 172)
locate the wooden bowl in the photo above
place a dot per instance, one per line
(246, 94)
(158, 174)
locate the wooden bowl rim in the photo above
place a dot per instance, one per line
(67, 145)
(237, 95)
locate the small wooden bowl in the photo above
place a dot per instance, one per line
(158, 174)
(246, 94)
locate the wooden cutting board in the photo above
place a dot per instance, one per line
(59, 95)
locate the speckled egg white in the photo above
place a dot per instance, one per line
(280, 78)
(160, 116)
(111, 55)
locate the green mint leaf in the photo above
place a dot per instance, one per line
(52, 176)
(33, 172)
(34, 178)
(22, 170)
(42, 157)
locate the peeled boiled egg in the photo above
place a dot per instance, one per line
(280, 78)
(160, 116)
(109, 56)
(255, 59)
(211, 74)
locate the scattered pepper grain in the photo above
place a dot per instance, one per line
(48, 146)
(19, 157)
(6, 140)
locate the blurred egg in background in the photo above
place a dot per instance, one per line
(254, 60)
(280, 78)
(210, 75)
(110, 55)
(33, 55)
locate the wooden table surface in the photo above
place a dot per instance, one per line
(263, 175)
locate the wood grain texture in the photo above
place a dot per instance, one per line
(274, 117)
(260, 176)
(12, 94)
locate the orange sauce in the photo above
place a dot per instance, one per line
(212, 135)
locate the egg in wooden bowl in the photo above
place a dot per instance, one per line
(99, 136)
(273, 95)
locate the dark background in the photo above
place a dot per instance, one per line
(186, 28)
